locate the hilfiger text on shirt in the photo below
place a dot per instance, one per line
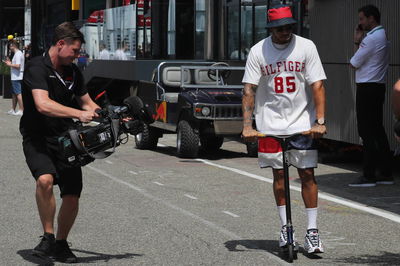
(282, 66)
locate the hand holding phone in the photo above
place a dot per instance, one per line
(359, 34)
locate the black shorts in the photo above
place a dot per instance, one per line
(39, 155)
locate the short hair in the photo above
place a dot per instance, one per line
(371, 10)
(68, 32)
(14, 43)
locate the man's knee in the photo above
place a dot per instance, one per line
(278, 174)
(70, 198)
(307, 176)
(45, 182)
(72, 201)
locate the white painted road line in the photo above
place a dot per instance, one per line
(109, 162)
(190, 196)
(185, 212)
(133, 173)
(158, 183)
(231, 214)
(397, 197)
(322, 195)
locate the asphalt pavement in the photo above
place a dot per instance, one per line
(142, 207)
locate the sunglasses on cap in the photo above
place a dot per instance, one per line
(284, 28)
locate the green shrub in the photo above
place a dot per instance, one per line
(4, 69)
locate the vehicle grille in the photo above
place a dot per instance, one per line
(228, 112)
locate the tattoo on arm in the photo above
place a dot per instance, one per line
(248, 104)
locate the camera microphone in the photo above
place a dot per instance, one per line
(138, 110)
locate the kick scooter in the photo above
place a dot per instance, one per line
(291, 248)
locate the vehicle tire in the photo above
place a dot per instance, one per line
(252, 149)
(211, 143)
(187, 140)
(148, 139)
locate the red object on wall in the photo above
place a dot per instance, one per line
(96, 16)
(140, 20)
(126, 2)
(148, 21)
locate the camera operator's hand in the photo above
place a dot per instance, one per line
(87, 116)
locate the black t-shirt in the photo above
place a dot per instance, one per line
(40, 74)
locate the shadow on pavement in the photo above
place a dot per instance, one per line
(244, 245)
(210, 155)
(93, 257)
(26, 254)
(271, 246)
(384, 197)
(385, 258)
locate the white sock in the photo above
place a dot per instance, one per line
(312, 218)
(282, 214)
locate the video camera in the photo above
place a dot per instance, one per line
(83, 144)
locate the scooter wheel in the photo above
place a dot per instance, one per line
(291, 253)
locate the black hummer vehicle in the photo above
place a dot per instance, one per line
(194, 100)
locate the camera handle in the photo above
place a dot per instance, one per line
(100, 155)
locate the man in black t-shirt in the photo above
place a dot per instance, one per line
(53, 90)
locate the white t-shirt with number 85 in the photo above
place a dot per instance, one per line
(284, 104)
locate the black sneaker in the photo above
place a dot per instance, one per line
(63, 253)
(45, 247)
(362, 181)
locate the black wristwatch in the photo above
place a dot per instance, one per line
(320, 121)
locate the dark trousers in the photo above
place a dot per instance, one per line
(369, 107)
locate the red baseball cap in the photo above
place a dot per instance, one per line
(279, 16)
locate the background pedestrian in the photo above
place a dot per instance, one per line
(17, 72)
(371, 62)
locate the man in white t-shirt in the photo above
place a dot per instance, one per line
(120, 53)
(104, 53)
(17, 72)
(371, 62)
(283, 87)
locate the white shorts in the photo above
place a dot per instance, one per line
(301, 153)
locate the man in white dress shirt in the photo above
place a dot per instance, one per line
(371, 62)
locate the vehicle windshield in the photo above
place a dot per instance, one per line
(213, 76)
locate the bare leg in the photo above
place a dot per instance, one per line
(309, 188)
(46, 202)
(14, 101)
(66, 216)
(20, 104)
(279, 187)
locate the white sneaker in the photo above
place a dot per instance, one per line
(19, 112)
(312, 242)
(283, 237)
(11, 112)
